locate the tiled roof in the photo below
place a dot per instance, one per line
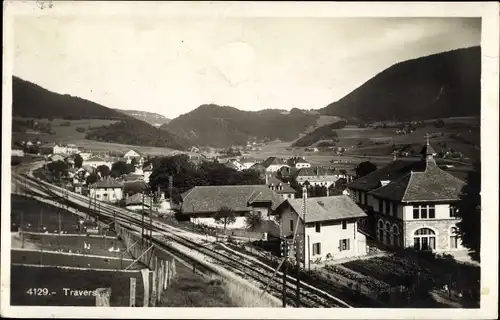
(95, 159)
(295, 160)
(315, 171)
(237, 197)
(273, 181)
(326, 208)
(392, 172)
(109, 183)
(258, 167)
(137, 199)
(430, 184)
(272, 160)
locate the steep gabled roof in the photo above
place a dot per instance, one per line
(237, 197)
(109, 183)
(325, 208)
(432, 184)
(137, 199)
(273, 181)
(273, 160)
(392, 171)
(314, 171)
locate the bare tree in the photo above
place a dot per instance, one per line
(225, 216)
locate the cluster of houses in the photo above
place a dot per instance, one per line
(407, 203)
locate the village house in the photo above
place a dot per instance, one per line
(107, 190)
(326, 228)
(235, 164)
(280, 187)
(316, 176)
(17, 153)
(247, 162)
(147, 171)
(85, 155)
(273, 164)
(411, 204)
(201, 203)
(298, 162)
(138, 202)
(56, 157)
(132, 154)
(96, 162)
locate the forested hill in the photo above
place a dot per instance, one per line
(32, 101)
(437, 86)
(222, 126)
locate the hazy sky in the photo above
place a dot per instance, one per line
(172, 65)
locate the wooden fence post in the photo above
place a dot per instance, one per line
(160, 280)
(145, 279)
(153, 288)
(167, 275)
(132, 291)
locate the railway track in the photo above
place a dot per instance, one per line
(246, 268)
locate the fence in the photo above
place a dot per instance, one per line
(158, 276)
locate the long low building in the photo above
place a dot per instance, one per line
(202, 203)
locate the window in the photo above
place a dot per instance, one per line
(381, 231)
(424, 239)
(453, 211)
(453, 238)
(316, 249)
(344, 224)
(424, 211)
(344, 245)
(388, 234)
(395, 234)
(291, 225)
(318, 226)
(98, 196)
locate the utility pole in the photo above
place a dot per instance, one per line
(142, 224)
(285, 254)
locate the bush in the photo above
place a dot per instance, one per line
(80, 129)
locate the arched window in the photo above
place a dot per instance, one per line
(395, 234)
(381, 231)
(424, 239)
(388, 234)
(454, 241)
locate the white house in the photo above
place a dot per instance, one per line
(233, 163)
(107, 190)
(85, 155)
(273, 164)
(411, 204)
(298, 162)
(202, 203)
(282, 188)
(96, 162)
(147, 171)
(331, 228)
(132, 154)
(247, 163)
(17, 153)
(138, 202)
(316, 176)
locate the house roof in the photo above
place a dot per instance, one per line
(314, 171)
(258, 167)
(293, 161)
(272, 160)
(248, 160)
(237, 197)
(137, 199)
(433, 184)
(109, 183)
(392, 172)
(231, 164)
(326, 208)
(273, 181)
(95, 159)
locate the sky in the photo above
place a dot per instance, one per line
(172, 65)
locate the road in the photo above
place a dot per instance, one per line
(189, 244)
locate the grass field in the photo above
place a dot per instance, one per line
(37, 215)
(98, 246)
(68, 134)
(57, 259)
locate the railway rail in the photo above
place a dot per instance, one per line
(309, 295)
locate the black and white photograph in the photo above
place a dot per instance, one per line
(250, 155)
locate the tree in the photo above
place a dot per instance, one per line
(58, 168)
(78, 161)
(225, 216)
(365, 168)
(340, 184)
(92, 178)
(133, 162)
(103, 170)
(253, 220)
(469, 210)
(119, 168)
